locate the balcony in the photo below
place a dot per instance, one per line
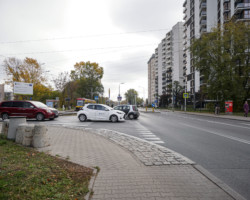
(203, 5)
(240, 7)
(185, 17)
(203, 22)
(203, 29)
(184, 9)
(185, 3)
(169, 70)
(203, 13)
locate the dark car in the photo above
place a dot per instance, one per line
(131, 111)
(29, 109)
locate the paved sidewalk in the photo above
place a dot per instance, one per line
(132, 168)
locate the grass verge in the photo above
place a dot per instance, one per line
(28, 174)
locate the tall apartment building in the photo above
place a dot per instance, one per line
(167, 68)
(201, 16)
(239, 10)
(151, 79)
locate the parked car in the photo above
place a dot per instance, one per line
(29, 109)
(131, 111)
(100, 112)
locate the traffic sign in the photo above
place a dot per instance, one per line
(156, 101)
(119, 98)
(96, 97)
(153, 105)
(185, 95)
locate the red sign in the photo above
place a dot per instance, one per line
(228, 107)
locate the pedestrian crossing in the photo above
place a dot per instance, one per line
(146, 134)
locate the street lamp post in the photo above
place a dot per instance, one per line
(119, 96)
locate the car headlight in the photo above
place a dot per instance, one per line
(119, 113)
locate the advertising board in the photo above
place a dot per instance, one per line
(23, 88)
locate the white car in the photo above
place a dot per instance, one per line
(100, 112)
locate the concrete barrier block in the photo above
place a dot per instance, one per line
(27, 142)
(5, 127)
(40, 138)
(28, 135)
(13, 124)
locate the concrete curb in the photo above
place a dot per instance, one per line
(91, 184)
(219, 183)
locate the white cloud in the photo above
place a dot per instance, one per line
(89, 30)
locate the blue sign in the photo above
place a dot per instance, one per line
(156, 101)
(96, 97)
(153, 105)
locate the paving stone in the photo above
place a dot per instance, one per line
(122, 176)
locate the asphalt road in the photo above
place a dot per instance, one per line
(221, 146)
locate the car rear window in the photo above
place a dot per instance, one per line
(6, 104)
(135, 108)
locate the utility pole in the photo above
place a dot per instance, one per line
(185, 93)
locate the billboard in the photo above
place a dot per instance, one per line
(23, 88)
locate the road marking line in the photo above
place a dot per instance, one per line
(220, 134)
(144, 131)
(153, 138)
(158, 142)
(146, 134)
(245, 124)
(149, 135)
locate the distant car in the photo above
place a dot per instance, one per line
(100, 112)
(131, 111)
(28, 109)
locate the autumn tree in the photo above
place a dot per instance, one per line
(222, 57)
(88, 76)
(28, 71)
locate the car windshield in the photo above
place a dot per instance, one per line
(108, 107)
(39, 104)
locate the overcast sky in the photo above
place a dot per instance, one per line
(120, 35)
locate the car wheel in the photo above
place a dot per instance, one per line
(82, 118)
(131, 116)
(39, 117)
(5, 116)
(114, 118)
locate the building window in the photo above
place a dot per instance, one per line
(246, 14)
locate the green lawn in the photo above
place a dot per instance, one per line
(29, 174)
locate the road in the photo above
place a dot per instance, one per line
(221, 146)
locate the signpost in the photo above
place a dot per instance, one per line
(185, 96)
(23, 88)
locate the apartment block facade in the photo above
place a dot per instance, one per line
(151, 79)
(166, 64)
(172, 60)
(200, 16)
